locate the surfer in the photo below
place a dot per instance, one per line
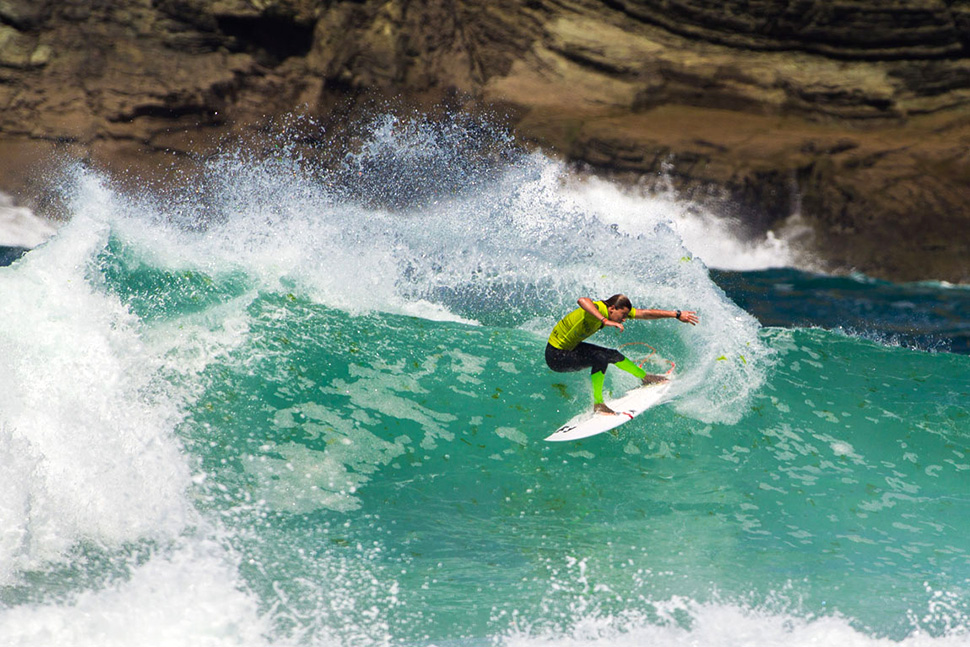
(567, 352)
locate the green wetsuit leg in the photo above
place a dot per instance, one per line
(631, 368)
(597, 379)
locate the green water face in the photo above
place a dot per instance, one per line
(386, 474)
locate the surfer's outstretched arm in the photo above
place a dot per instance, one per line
(686, 316)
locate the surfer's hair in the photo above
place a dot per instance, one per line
(619, 301)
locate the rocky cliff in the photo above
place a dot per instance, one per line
(851, 113)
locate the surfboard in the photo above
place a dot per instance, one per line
(627, 407)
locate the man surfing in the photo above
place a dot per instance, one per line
(566, 351)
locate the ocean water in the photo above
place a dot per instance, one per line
(284, 405)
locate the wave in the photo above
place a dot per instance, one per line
(281, 405)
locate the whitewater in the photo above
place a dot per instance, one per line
(281, 403)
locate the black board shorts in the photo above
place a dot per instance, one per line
(583, 356)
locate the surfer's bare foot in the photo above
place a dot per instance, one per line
(600, 407)
(654, 379)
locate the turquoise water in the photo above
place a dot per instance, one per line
(284, 407)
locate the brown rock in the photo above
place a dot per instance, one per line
(851, 114)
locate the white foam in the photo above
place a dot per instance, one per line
(90, 397)
(684, 622)
(89, 401)
(712, 238)
(434, 312)
(81, 412)
(190, 596)
(19, 227)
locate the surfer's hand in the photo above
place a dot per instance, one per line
(612, 324)
(688, 316)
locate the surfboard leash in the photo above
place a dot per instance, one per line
(653, 351)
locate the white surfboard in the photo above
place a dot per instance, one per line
(627, 407)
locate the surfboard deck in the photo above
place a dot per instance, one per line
(627, 407)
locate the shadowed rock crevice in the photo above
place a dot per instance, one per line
(271, 39)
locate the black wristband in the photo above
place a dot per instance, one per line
(677, 316)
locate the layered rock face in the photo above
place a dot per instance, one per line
(851, 114)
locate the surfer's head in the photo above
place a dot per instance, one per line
(618, 301)
(618, 306)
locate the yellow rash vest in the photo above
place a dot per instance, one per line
(578, 325)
